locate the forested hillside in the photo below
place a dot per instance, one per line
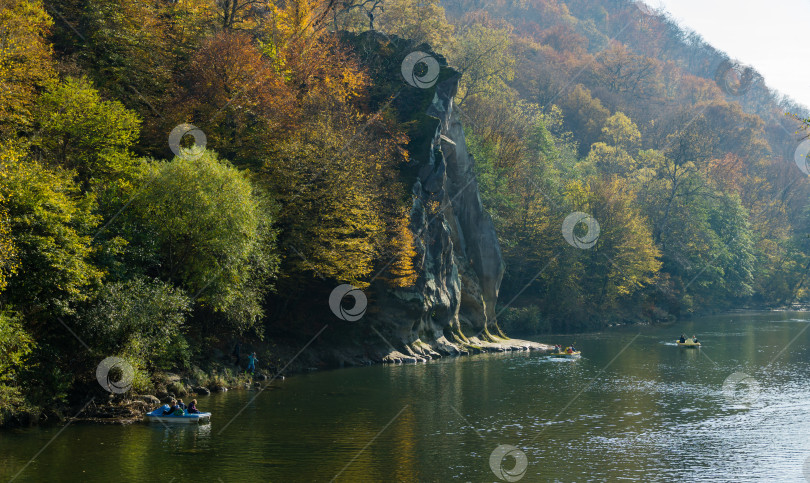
(179, 175)
(689, 163)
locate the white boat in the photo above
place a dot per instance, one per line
(157, 416)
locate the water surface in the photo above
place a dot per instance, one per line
(635, 407)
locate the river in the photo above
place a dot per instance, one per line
(634, 407)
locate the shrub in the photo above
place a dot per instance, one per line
(523, 320)
(142, 319)
(15, 346)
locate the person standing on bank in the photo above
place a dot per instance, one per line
(252, 362)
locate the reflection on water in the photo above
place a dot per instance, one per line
(185, 438)
(657, 412)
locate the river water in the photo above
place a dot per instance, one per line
(635, 407)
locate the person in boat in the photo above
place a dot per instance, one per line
(573, 349)
(172, 408)
(682, 339)
(192, 408)
(569, 350)
(181, 404)
(694, 339)
(252, 362)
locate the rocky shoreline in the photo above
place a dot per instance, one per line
(474, 345)
(122, 409)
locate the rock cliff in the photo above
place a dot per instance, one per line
(451, 308)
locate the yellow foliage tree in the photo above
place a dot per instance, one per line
(9, 262)
(611, 160)
(25, 60)
(51, 221)
(620, 131)
(421, 21)
(333, 179)
(402, 273)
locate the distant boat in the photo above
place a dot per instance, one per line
(157, 416)
(688, 343)
(568, 355)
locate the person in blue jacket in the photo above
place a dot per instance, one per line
(172, 408)
(252, 362)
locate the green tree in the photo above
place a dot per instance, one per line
(584, 115)
(210, 228)
(485, 59)
(51, 222)
(15, 347)
(141, 318)
(125, 46)
(80, 131)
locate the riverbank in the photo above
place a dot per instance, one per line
(278, 360)
(222, 375)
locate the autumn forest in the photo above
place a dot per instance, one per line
(125, 232)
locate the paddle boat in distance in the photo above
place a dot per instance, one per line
(688, 343)
(567, 355)
(157, 416)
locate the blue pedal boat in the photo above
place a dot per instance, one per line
(157, 416)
